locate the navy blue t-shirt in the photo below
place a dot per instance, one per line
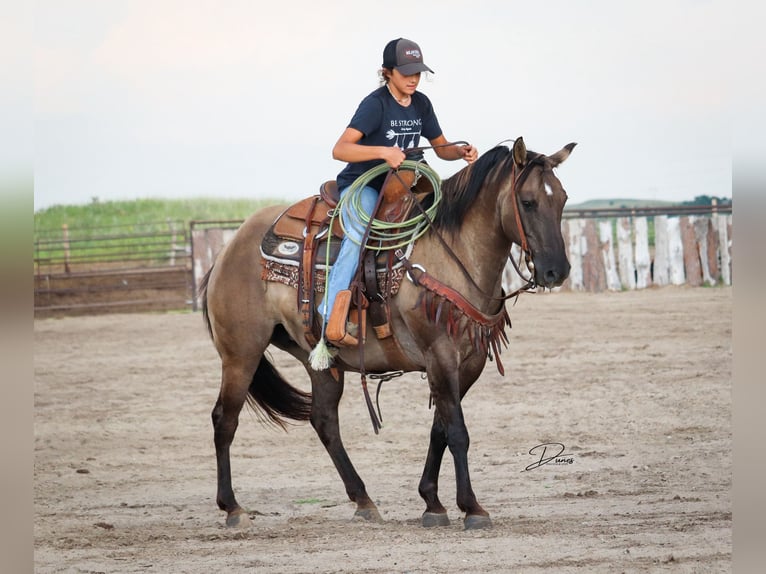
(386, 123)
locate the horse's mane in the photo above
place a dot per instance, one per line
(461, 190)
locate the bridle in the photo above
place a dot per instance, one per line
(516, 182)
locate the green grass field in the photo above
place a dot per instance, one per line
(144, 229)
(142, 213)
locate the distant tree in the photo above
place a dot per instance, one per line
(708, 200)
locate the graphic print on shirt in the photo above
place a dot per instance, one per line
(404, 133)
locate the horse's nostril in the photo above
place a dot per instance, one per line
(550, 277)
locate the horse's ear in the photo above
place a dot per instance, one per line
(562, 154)
(519, 152)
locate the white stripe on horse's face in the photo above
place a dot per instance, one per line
(548, 188)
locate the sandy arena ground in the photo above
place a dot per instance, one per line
(635, 385)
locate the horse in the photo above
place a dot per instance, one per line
(507, 196)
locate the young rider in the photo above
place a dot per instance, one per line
(389, 120)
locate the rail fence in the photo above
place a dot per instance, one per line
(159, 266)
(106, 269)
(623, 249)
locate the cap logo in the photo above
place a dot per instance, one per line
(413, 54)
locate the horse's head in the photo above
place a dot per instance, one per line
(531, 213)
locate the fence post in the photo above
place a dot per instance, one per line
(625, 250)
(676, 252)
(692, 263)
(594, 272)
(708, 249)
(607, 254)
(65, 233)
(661, 275)
(173, 245)
(575, 254)
(643, 260)
(723, 247)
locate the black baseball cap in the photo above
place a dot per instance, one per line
(405, 56)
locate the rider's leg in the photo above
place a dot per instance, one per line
(343, 270)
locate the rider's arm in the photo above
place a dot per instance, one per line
(349, 150)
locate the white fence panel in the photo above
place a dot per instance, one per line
(643, 259)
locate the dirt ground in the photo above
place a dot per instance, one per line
(635, 385)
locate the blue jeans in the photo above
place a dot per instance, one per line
(343, 270)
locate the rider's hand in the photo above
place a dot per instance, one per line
(469, 153)
(393, 156)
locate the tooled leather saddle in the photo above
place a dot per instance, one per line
(302, 244)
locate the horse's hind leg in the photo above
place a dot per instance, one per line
(234, 387)
(326, 394)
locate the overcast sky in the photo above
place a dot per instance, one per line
(236, 98)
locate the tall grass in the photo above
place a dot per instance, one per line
(142, 213)
(141, 230)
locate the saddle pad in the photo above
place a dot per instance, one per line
(289, 251)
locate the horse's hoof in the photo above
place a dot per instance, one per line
(476, 521)
(368, 515)
(238, 519)
(431, 519)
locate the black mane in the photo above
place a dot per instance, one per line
(461, 190)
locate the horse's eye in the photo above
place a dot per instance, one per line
(529, 205)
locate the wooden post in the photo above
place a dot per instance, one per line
(723, 247)
(607, 255)
(643, 260)
(661, 251)
(575, 253)
(676, 269)
(173, 245)
(692, 265)
(594, 272)
(625, 253)
(206, 244)
(712, 251)
(65, 233)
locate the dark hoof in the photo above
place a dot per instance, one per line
(368, 515)
(238, 519)
(431, 519)
(476, 521)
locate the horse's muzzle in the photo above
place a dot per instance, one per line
(551, 276)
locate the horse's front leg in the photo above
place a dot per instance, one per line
(326, 394)
(445, 388)
(435, 514)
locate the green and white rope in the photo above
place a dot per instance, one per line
(391, 235)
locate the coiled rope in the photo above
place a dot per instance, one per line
(385, 236)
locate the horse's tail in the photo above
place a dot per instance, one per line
(272, 396)
(202, 296)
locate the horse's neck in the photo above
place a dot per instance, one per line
(482, 249)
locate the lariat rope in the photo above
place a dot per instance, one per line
(384, 235)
